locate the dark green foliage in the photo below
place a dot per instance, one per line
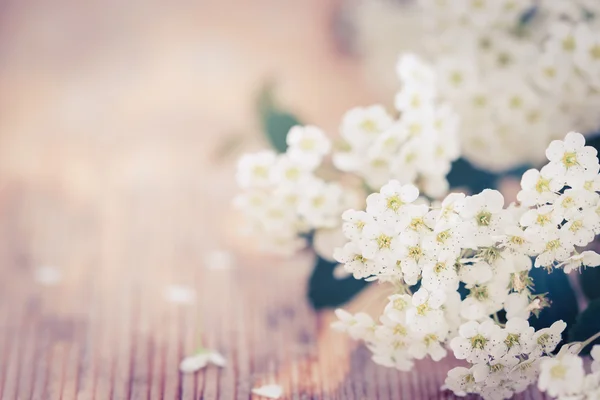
(275, 121)
(587, 325)
(590, 282)
(561, 295)
(324, 290)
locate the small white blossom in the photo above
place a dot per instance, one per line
(484, 217)
(475, 341)
(570, 160)
(545, 340)
(562, 375)
(307, 145)
(358, 326)
(465, 380)
(254, 170)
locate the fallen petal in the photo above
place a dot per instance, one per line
(191, 364)
(270, 391)
(217, 359)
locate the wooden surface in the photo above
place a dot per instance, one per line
(113, 118)
(106, 330)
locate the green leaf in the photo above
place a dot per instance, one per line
(590, 282)
(324, 290)
(275, 121)
(587, 325)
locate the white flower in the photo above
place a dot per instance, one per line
(483, 217)
(538, 187)
(465, 380)
(475, 341)
(388, 204)
(518, 241)
(450, 209)
(351, 256)
(570, 160)
(358, 326)
(270, 391)
(425, 315)
(397, 306)
(289, 172)
(545, 340)
(441, 275)
(476, 274)
(581, 226)
(391, 354)
(354, 222)
(380, 243)
(429, 344)
(516, 338)
(549, 75)
(411, 69)
(555, 245)
(254, 170)
(321, 204)
(562, 375)
(415, 100)
(517, 305)
(307, 145)
(200, 360)
(485, 299)
(360, 126)
(587, 54)
(541, 219)
(574, 199)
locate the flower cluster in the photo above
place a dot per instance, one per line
(419, 145)
(284, 197)
(519, 73)
(476, 243)
(565, 378)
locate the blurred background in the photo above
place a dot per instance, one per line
(103, 102)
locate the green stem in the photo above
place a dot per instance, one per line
(583, 345)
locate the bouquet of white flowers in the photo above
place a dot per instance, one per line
(464, 273)
(426, 252)
(519, 73)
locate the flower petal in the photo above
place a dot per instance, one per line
(191, 364)
(271, 391)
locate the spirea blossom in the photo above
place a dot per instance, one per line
(286, 200)
(419, 145)
(477, 242)
(518, 73)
